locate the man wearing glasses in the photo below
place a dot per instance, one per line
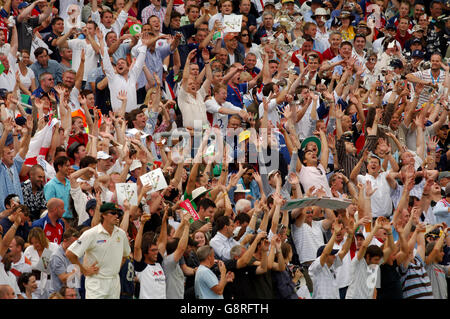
(105, 248)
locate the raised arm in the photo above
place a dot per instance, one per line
(329, 246)
(366, 243)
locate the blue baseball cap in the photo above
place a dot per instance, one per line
(417, 54)
(23, 5)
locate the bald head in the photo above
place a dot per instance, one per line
(7, 292)
(55, 207)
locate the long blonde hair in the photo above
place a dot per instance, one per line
(39, 234)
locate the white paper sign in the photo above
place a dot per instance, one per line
(154, 178)
(232, 23)
(127, 191)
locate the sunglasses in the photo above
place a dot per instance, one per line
(114, 213)
(244, 35)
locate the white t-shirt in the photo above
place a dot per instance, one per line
(91, 58)
(272, 112)
(381, 202)
(343, 274)
(27, 78)
(363, 280)
(153, 282)
(219, 119)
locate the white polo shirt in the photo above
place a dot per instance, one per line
(108, 250)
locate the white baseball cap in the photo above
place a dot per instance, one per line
(135, 164)
(103, 155)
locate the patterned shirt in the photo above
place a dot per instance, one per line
(35, 202)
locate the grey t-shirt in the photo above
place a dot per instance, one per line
(174, 278)
(437, 274)
(25, 32)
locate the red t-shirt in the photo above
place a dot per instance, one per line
(328, 54)
(403, 39)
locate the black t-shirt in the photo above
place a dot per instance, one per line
(391, 287)
(48, 40)
(241, 287)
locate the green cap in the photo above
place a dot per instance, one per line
(314, 139)
(107, 207)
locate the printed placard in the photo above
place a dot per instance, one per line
(188, 206)
(154, 178)
(232, 23)
(127, 191)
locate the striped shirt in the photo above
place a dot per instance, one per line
(307, 239)
(415, 281)
(427, 76)
(150, 10)
(347, 161)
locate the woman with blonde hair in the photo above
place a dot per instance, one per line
(39, 252)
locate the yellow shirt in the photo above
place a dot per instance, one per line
(349, 34)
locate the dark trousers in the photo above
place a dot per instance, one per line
(343, 292)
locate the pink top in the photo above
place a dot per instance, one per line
(314, 176)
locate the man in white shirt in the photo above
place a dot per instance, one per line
(223, 241)
(308, 234)
(8, 59)
(124, 78)
(104, 20)
(381, 202)
(104, 248)
(191, 97)
(221, 109)
(364, 267)
(323, 269)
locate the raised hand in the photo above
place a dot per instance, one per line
(369, 191)
(122, 95)
(293, 178)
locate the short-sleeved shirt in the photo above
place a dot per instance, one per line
(438, 274)
(314, 176)
(416, 283)
(53, 233)
(97, 245)
(58, 266)
(325, 285)
(54, 188)
(152, 279)
(174, 278)
(363, 279)
(380, 200)
(307, 239)
(204, 281)
(25, 32)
